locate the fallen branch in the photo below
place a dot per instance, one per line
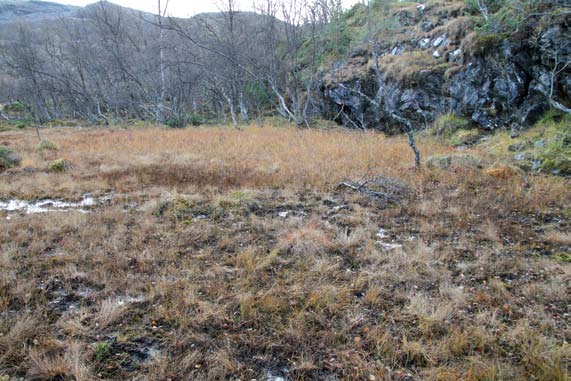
(361, 188)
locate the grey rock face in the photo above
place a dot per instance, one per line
(506, 86)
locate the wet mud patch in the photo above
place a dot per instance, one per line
(16, 207)
(116, 356)
(67, 296)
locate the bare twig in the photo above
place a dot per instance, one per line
(361, 188)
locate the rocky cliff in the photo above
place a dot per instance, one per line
(434, 61)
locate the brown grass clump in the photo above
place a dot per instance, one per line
(502, 172)
(218, 254)
(409, 67)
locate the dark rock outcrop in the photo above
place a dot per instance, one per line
(494, 81)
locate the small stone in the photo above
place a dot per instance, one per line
(519, 157)
(438, 42)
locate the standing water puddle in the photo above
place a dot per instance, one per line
(48, 205)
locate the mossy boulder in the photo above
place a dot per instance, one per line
(8, 158)
(59, 166)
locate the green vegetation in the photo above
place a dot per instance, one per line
(496, 20)
(563, 257)
(465, 137)
(46, 145)
(546, 147)
(448, 124)
(8, 158)
(22, 123)
(15, 107)
(184, 119)
(102, 351)
(59, 166)
(554, 152)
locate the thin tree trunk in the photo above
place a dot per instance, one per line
(243, 108)
(232, 110)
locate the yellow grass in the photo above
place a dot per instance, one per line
(218, 156)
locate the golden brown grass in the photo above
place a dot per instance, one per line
(217, 157)
(234, 255)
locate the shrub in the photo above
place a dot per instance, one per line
(447, 124)
(46, 145)
(59, 166)
(22, 123)
(8, 158)
(176, 121)
(196, 119)
(14, 107)
(182, 120)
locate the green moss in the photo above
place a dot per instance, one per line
(545, 147)
(554, 154)
(563, 257)
(232, 202)
(465, 137)
(448, 124)
(59, 166)
(182, 209)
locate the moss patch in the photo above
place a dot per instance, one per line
(448, 124)
(59, 166)
(546, 147)
(465, 137)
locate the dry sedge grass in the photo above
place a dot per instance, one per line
(219, 157)
(227, 255)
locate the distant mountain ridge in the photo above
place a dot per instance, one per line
(31, 10)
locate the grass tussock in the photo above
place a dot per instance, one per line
(234, 255)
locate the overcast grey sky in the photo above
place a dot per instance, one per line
(179, 8)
